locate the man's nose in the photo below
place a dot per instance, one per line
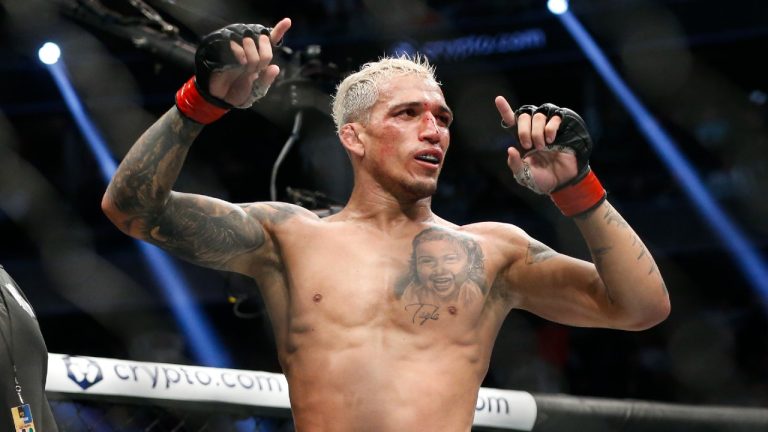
(430, 130)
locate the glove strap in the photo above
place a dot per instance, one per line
(193, 105)
(580, 197)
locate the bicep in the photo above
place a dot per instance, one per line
(204, 230)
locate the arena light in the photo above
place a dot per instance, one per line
(49, 53)
(557, 7)
(745, 255)
(205, 347)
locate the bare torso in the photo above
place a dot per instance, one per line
(362, 342)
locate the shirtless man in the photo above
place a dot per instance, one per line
(367, 341)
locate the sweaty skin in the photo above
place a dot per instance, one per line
(385, 314)
(364, 358)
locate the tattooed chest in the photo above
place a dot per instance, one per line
(437, 278)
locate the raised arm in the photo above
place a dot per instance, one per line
(622, 288)
(139, 199)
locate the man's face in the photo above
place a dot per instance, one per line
(407, 136)
(442, 266)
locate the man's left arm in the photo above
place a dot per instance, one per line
(552, 158)
(627, 270)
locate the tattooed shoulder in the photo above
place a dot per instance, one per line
(274, 212)
(538, 252)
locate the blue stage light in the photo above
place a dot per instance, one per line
(557, 7)
(49, 53)
(744, 253)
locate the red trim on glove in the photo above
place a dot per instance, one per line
(581, 197)
(192, 104)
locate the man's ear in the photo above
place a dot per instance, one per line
(350, 139)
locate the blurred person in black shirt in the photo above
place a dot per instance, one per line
(23, 363)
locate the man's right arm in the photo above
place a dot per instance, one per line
(140, 202)
(200, 229)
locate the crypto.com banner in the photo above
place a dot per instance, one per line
(70, 374)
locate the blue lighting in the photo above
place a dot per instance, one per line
(749, 259)
(78, 415)
(92, 136)
(49, 53)
(557, 7)
(205, 347)
(256, 424)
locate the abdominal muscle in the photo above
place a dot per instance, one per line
(376, 381)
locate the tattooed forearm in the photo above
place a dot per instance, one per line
(644, 254)
(611, 216)
(538, 252)
(145, 177)
(652, 267)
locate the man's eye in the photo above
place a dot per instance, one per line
(410, 112)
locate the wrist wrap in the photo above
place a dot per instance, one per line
(191, 103)
(579, 197)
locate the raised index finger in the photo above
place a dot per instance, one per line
(279, 30)
(507, 114)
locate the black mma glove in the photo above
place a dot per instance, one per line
(214, 53)
(584, 191)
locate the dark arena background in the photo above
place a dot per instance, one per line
(691, 177)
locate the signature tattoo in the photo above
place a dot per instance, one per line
(538, 252)
(423, 312)
(445, 266)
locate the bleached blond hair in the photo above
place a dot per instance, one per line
(358, 92)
